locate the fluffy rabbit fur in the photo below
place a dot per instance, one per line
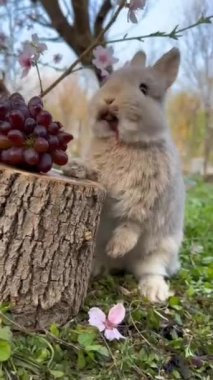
(132, 151)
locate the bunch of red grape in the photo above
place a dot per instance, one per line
(29, 138)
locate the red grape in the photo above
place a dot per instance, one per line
(59, 124)
(29, 137)
(5, 127)
(16, 97)
(34, 110)
(41, 145)
(63, 147)
(53, 142)
(34, 101)
(45, 163)
(5, 156)
(44, 118)
(31, 157)
(60, 157)
(5, 143)
(40, 131)
(16, 137)
(53, 128)
(24, 110)
(4, 108)
(15, 155)
(29, 125)
(64, 137)
(16, 119)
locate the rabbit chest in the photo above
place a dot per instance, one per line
(127, 173)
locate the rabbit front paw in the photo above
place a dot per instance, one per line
(123, 241)
(78, 169)
(116, 248)
(154, 288)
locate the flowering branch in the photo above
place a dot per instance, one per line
(174, 34)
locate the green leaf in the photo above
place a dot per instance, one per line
(57, 374)
(6, 333)
(5, 350)
(54, 330)
(98, 348)
(81, 361)
(86, 339)
(174, 303)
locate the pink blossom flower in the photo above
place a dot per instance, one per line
(109, 324)
(103, 59)
(31, 53)
(133, 6)
(26, 62)
(57, 58)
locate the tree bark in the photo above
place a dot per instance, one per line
(48, 225)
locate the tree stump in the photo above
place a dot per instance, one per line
(48, 225)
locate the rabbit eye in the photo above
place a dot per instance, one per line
(144, 88)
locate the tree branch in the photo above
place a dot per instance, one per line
(103, 12)
(174, 34)
(88, 50)
(59, 22)
(81, 16)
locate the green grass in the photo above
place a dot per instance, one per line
(172, 341)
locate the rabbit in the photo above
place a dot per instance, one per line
(133, 155)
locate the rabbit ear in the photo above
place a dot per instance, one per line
(139, 59)
(167, 66)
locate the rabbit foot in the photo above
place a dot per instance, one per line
(154, 288)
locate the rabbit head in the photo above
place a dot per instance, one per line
(130, 105)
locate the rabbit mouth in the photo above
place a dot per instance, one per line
(111, 120)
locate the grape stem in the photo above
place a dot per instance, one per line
(39, 78)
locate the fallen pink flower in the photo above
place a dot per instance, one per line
(109, 324)
(103, 59)
(133, 6)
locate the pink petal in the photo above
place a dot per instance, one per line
(112, 334)
(132, 17)
(25, 72)
(117, 314)
(42, 47)
(137, 4)
(97, 318)
(114, 60)
(28, 49)
(97, 51)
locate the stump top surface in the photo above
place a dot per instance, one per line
(53, 175)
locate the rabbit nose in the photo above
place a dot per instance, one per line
(109, 100)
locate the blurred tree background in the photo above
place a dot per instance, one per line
(75, 24)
